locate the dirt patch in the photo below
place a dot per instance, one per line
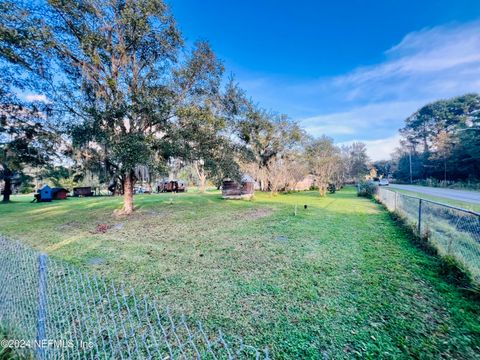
(69, 226)
(118, 226)
(147, 214)
(257, 214)
(101, 228)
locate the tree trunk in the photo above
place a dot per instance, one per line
(203, 184)
(128, 193)
(202, 177)
(322, 189)
(7, 191)
(264, 185)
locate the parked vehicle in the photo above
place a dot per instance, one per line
(141, 190)
(383, 182)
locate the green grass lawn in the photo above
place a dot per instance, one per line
(339, 280)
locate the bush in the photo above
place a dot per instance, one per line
(366, 189)
(331, 188)
(26, 189)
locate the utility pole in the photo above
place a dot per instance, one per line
(410, 159)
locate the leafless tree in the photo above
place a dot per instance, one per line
(324, 162)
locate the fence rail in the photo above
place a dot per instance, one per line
(50, 310)
(451, 230)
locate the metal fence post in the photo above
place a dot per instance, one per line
(42, 305)
(395, 206)
(420, 217)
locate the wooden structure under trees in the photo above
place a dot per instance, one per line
(171, 186)
(59, 193)
(83, 191)
(47, 194)
(44, 194)
(232, 189)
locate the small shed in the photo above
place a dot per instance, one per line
(44, 194)
(232, 189)
(83, 191)
(59, 193)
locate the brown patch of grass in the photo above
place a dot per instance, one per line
(256, 214)
(101, 228)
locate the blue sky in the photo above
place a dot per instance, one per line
(353, 70)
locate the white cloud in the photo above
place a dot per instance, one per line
(369, 118)
(379, 149)
(330, 129)
(433, 63)
(426, 65)
(372, 102)
(36, 97)
(425, 52)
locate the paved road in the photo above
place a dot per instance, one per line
(461, 195)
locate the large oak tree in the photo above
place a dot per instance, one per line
(440, 140)
(121, 81)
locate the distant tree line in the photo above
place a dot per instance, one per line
(440, 142)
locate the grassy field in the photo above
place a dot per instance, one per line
(339, 280)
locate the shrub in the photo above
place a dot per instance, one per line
(26, 188)
(366, 189)
(331, 188)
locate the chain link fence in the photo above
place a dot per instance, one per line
(50, 310)
(451, 230)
